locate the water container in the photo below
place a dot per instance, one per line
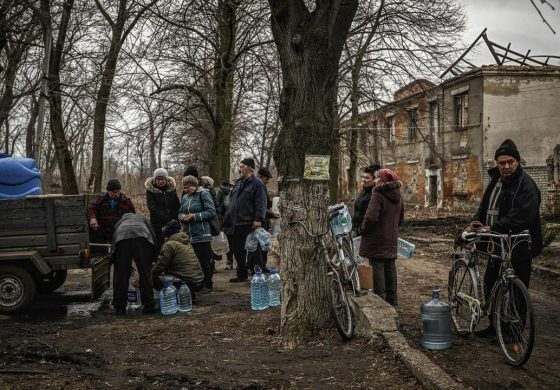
(219, 244)
(275, 226)
(436, 323)
(259, 291)
(134, 302)
(405, 249)
(264, 238)
(342, 223)
(184, 297)
(19, 177)
(274, 287)
(251, 242)
(168, 299)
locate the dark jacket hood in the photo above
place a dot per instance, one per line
(390, 190)
(171, 185)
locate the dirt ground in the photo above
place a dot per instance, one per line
(223, 344)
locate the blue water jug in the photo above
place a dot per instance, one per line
(168, 299)
(19, 177)
(274, 287)
(259, 291)
(436, 323)
(185, 298)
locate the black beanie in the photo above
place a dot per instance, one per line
(113, 185)
(508, 148)
(171, 228)
(249, 162)
(191, 171)
(265, 172)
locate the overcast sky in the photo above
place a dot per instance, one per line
(514, 21)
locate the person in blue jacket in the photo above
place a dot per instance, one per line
(247, 212)
(197, 209)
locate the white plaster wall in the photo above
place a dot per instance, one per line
(525, 109)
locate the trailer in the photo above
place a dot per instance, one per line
(41, 238)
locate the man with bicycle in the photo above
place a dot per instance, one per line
(510, 204)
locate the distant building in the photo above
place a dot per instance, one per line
(441, 139)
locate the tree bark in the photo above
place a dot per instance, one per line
(62, 150)
(309, 46)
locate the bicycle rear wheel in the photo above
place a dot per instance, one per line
(515, 322)
(461, 282)
(340, 307)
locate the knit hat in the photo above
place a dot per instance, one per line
(171, 228)
(508, 148)
(265, 172)
(225, 183)
(249, 162)
(113, 185)
(190, 180)
(191, 171)
(161, 172)
(386, 175)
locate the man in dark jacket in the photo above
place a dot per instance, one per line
(510, 204)
(247, 212)
(105, 212)
(134, 238)
(362, 200)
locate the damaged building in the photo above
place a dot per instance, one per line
(441, 139)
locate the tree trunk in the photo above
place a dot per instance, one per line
(62, 150)
(220, 151)
(30, 132)
(309, 45)
(352, 135)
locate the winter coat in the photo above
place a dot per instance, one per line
(201, 205)
(163, 203)
(380, 227)
(133, 226)
(205, 183)
(248, 202)
(220, 198)
(177, 258)
(518, 210)
(360, 206)
(108, 212)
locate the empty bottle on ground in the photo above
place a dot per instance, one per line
(259, 291)
(274, 287)
(436, 323)
(168, 299)
(185, 298)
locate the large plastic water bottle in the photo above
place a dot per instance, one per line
(168, 299)
(259, 291)
(185, 298)
(134, 302)
(274, 287)
(436, 323)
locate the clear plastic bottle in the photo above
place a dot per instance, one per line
(274, 287)
(259, 291)
(168, 299)
(184, 297)
(133, 295)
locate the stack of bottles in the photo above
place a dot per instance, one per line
(172, 300)
(265, 293)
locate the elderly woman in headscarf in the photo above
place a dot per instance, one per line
(384, 215)
(163, 202)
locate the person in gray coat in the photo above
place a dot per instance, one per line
(133, 238)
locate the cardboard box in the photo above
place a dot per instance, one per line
(365, 273)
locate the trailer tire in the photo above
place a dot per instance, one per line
(55, 281)
(17, 289)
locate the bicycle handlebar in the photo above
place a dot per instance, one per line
(481, 234)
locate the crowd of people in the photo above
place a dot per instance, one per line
(178, 235)
(176, 240)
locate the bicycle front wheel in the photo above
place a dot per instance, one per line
(515, 322)
(340, 307)
(351, 269)
(462, 286)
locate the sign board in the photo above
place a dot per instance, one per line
(316, 167)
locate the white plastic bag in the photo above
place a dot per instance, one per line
(219, 244)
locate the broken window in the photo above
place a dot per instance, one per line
(461, 109)
(412, 125)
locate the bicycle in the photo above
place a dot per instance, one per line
(509, 301)
(342, 274)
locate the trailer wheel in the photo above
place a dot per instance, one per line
(17, 289)
(55, 281)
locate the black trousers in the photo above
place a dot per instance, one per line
(142, 252)
(230, 253)
(203, 251)
(242, 258)
(385, 278)
(522, 269)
